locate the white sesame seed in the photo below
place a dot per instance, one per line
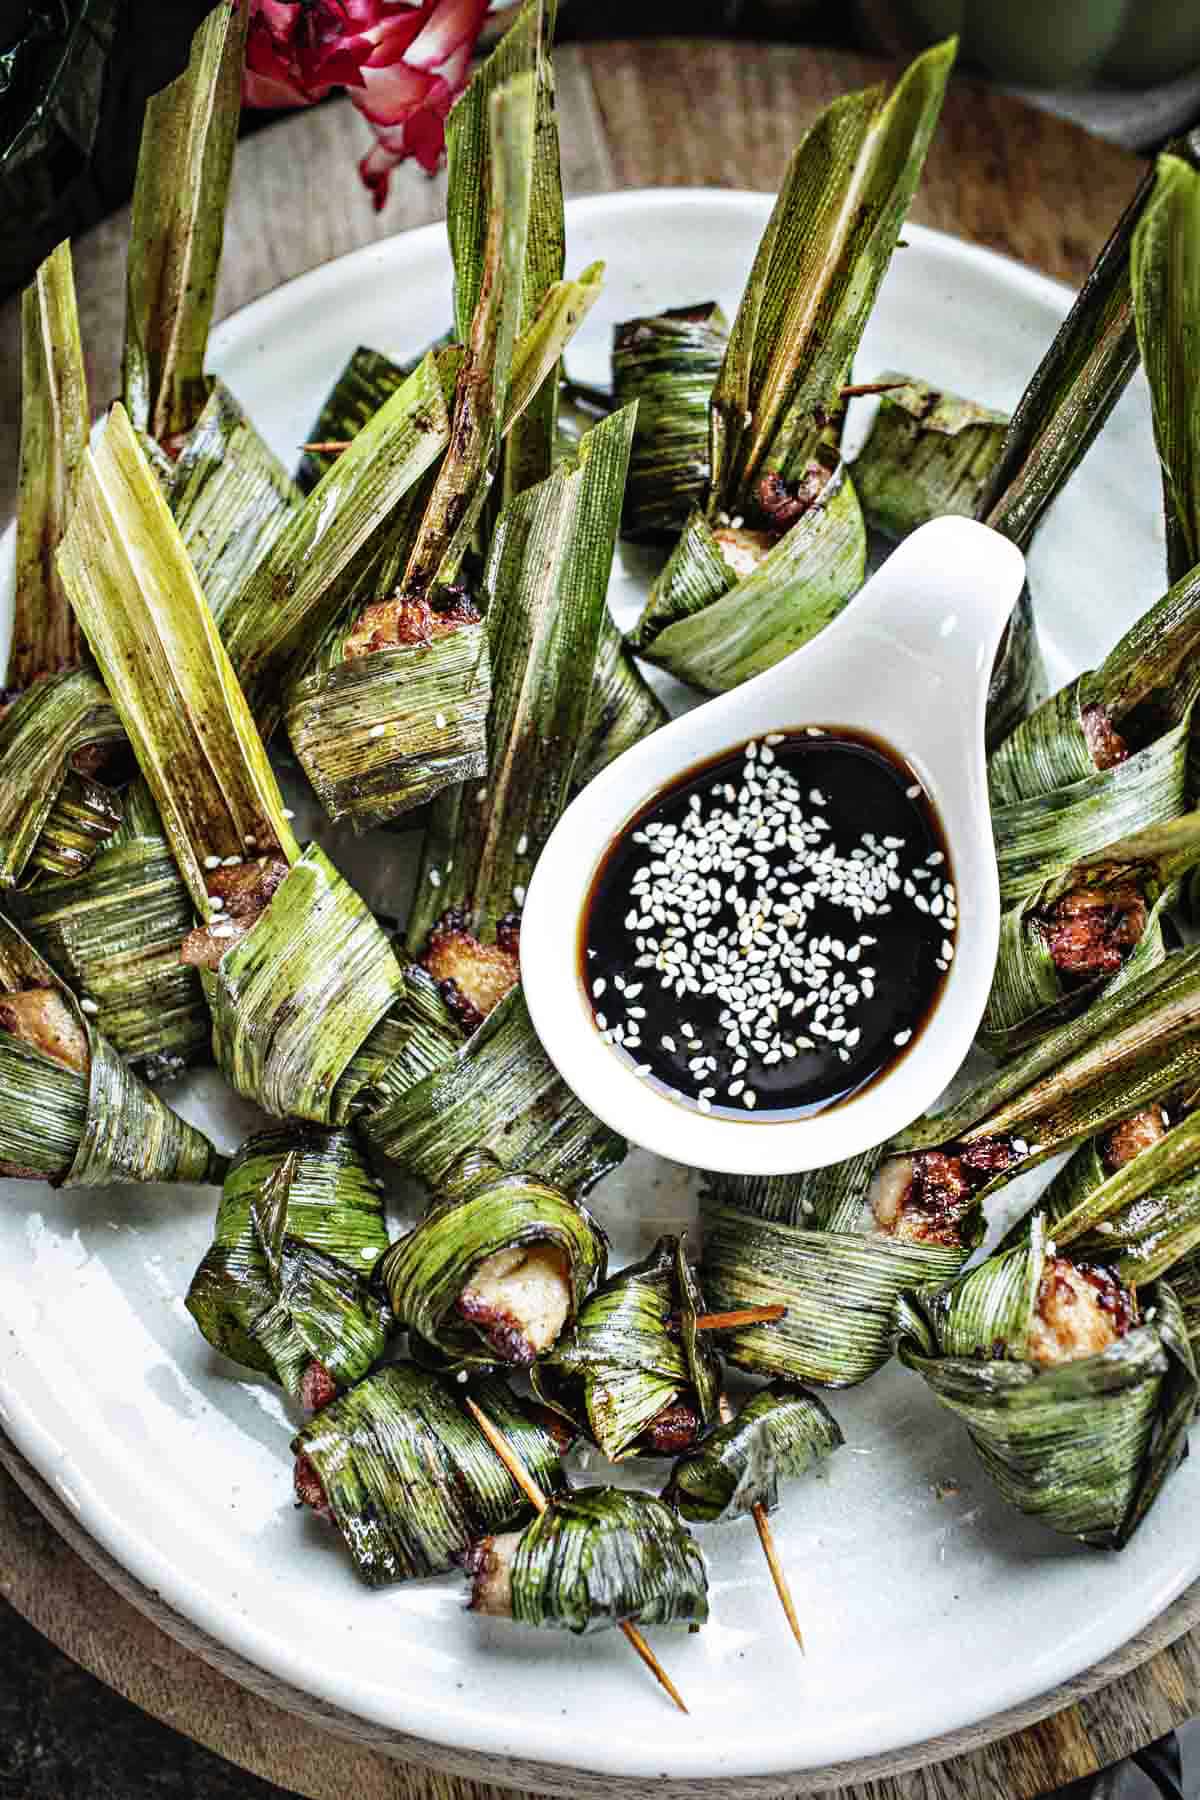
(435, 879)
(519, 894)
(598, 987)
(440, 721)
(750, 1098)
(212, 862)
(88, 1006)
(216, 902)
(901, 1038)
(523, 844)
(602, 1021)
(377, 731)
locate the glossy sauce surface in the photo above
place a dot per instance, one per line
(773, 930)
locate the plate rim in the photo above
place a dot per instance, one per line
(262, 1647)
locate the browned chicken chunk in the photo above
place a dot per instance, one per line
(782, 502)
(472, 977)
(241, 893)
(1090, 933)
(405, 619)
(42, 1018)
(1080, 1311)
(519, 1300)
(489, 1564)
(921, 1199)
(675, 1430)
(309, 1488)
(1105, 742)
(1140, 1131)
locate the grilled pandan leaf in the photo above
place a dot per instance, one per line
(114, 934)
(633, 1371)
(368, 380)
(622, 706)
(667, 362)
(714, 628)
(501, 1090)
(781, 1433)
(546, 577)
(497, 1268)
(1085, 1445)
(307, 973)
(928, 453)
(408, 1477)
(776, 407)
(54, 435)
(807, 1242)
(283, 1288)
(471, 154)
(230, 496)
(71, 1113)
(57, 729)
(178, 226)
(398, 721)
(1074, 388)
(1132, 1047)
(327, 550)
(47, 730)
(1106, 756)
(1165, 278)
(1084, 932)
(596, 1558)
(1139, 1217)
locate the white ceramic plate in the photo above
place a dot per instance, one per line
(922, 1614)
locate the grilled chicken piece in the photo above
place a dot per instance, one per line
(921, 1199)
(1090, 933)
(489, 1564)
(472, 977)
(1105, 742)
(675, 1430)
(317, 1387)
(782, 502)
(244, 891)
(1080, 1311)
(519, 1300)
(1140, 1131)
(309, 1488)
(42, 1018)
(404, 619)
(742, 550)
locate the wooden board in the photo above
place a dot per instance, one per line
(633, 115)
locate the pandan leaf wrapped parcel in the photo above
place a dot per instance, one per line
(58, 731)
(408, 1478)
(1078, 1424)
(928, 452)
(780, 1433)
(497, 1268)
(668, 363)
(779, 546)
(1084, 932)
(71, 1113)
(812, 1243)
(633, 1370)
(284, 1287)
(297, 972)
(1106, 756)
(597, 1557)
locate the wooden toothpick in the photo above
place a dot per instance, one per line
(766, 1538)
(748, 1315)
(533, 1493)
(333, 445)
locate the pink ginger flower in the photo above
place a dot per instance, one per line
(403, 65)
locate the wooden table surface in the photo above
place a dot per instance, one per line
(633, 115)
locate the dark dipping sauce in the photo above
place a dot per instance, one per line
(771, 932)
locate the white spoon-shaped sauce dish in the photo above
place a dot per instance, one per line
(906, 665)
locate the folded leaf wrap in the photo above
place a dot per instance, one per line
(598, 1557)
(293, 1001)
